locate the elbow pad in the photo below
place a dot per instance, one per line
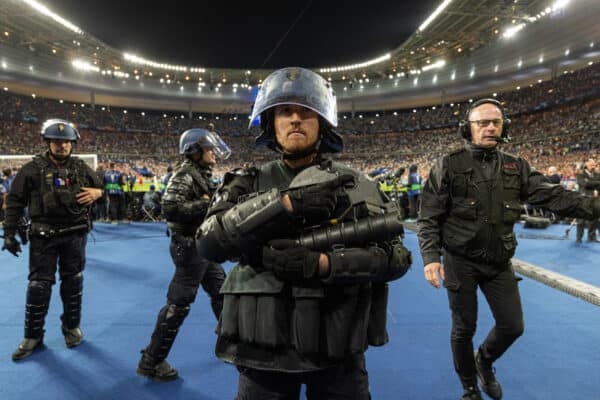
(247, 217)
(211, 241)
(356, 265)
(234, 232)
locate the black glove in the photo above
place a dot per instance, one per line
(315, 203)
(11, 244)
(289, 261)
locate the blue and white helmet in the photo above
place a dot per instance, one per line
(192, 140)
(59, 129)
(302, 87)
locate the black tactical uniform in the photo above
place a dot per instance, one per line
(469, 205)
(272, 326)
(310, 291)
(59, 228)
(184, 205)
(588, 181)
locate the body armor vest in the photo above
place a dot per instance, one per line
(271, 324)
(54, 201)
(482, 211)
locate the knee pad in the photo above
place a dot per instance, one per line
(173, 315)
(72, 284)
(182, 295)
(38, 292)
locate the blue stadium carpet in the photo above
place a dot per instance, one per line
(126, 278)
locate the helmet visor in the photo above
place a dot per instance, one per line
(214, 141)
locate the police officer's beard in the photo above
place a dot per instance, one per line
(61, 157)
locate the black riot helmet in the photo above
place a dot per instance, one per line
(302, 87)
(59, 129)
(192, 140)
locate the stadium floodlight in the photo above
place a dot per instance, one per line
(134, 59)
(560, 4)
(434, 15)
(512, 31)
(437, 64)
(368, 63)
(46, 11)
(84, 66)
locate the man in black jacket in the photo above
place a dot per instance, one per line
(184, 205)
(59, 190)
(294, 314)
(469, 205)
(588, 181)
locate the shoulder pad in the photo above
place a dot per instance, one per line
(457, 151)
(510, 157)
(238, 172)
(40, 161)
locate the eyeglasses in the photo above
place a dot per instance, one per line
(482, 123)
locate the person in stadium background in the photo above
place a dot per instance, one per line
(588, 181)
(414, 191)
(151, 201)
(58, 189)
(278, 293)
(114, 181)
(468, 207)
(102, 204)
(553, 175)
(184, 205)
(5, 185)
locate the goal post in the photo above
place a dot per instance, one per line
(18, 160)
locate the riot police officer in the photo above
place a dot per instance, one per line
(468, 207)
(295, 314)
(184, 205)
(59, 190)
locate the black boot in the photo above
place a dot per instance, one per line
(73, 337)
(160, 371)
(471, 393)
(487, 377)
(26, 347)
(153, 364)
(71, 289)
(38, 300)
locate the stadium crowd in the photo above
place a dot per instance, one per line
(553, 123)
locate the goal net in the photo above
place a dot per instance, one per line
(17, 161)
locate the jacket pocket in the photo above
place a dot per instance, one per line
(464, 208)
(511, 211)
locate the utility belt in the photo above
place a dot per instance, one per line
(48, 231)
(334, 321)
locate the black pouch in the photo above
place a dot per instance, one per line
(358, 342)
(305, 324)
(377, 330)
(247, 318)
(508, 246)
(338, 314)
(271, 325)
(254, 309)
(228, 323)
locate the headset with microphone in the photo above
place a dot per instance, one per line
(464, 126)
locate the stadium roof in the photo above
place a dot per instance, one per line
(465, 43)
